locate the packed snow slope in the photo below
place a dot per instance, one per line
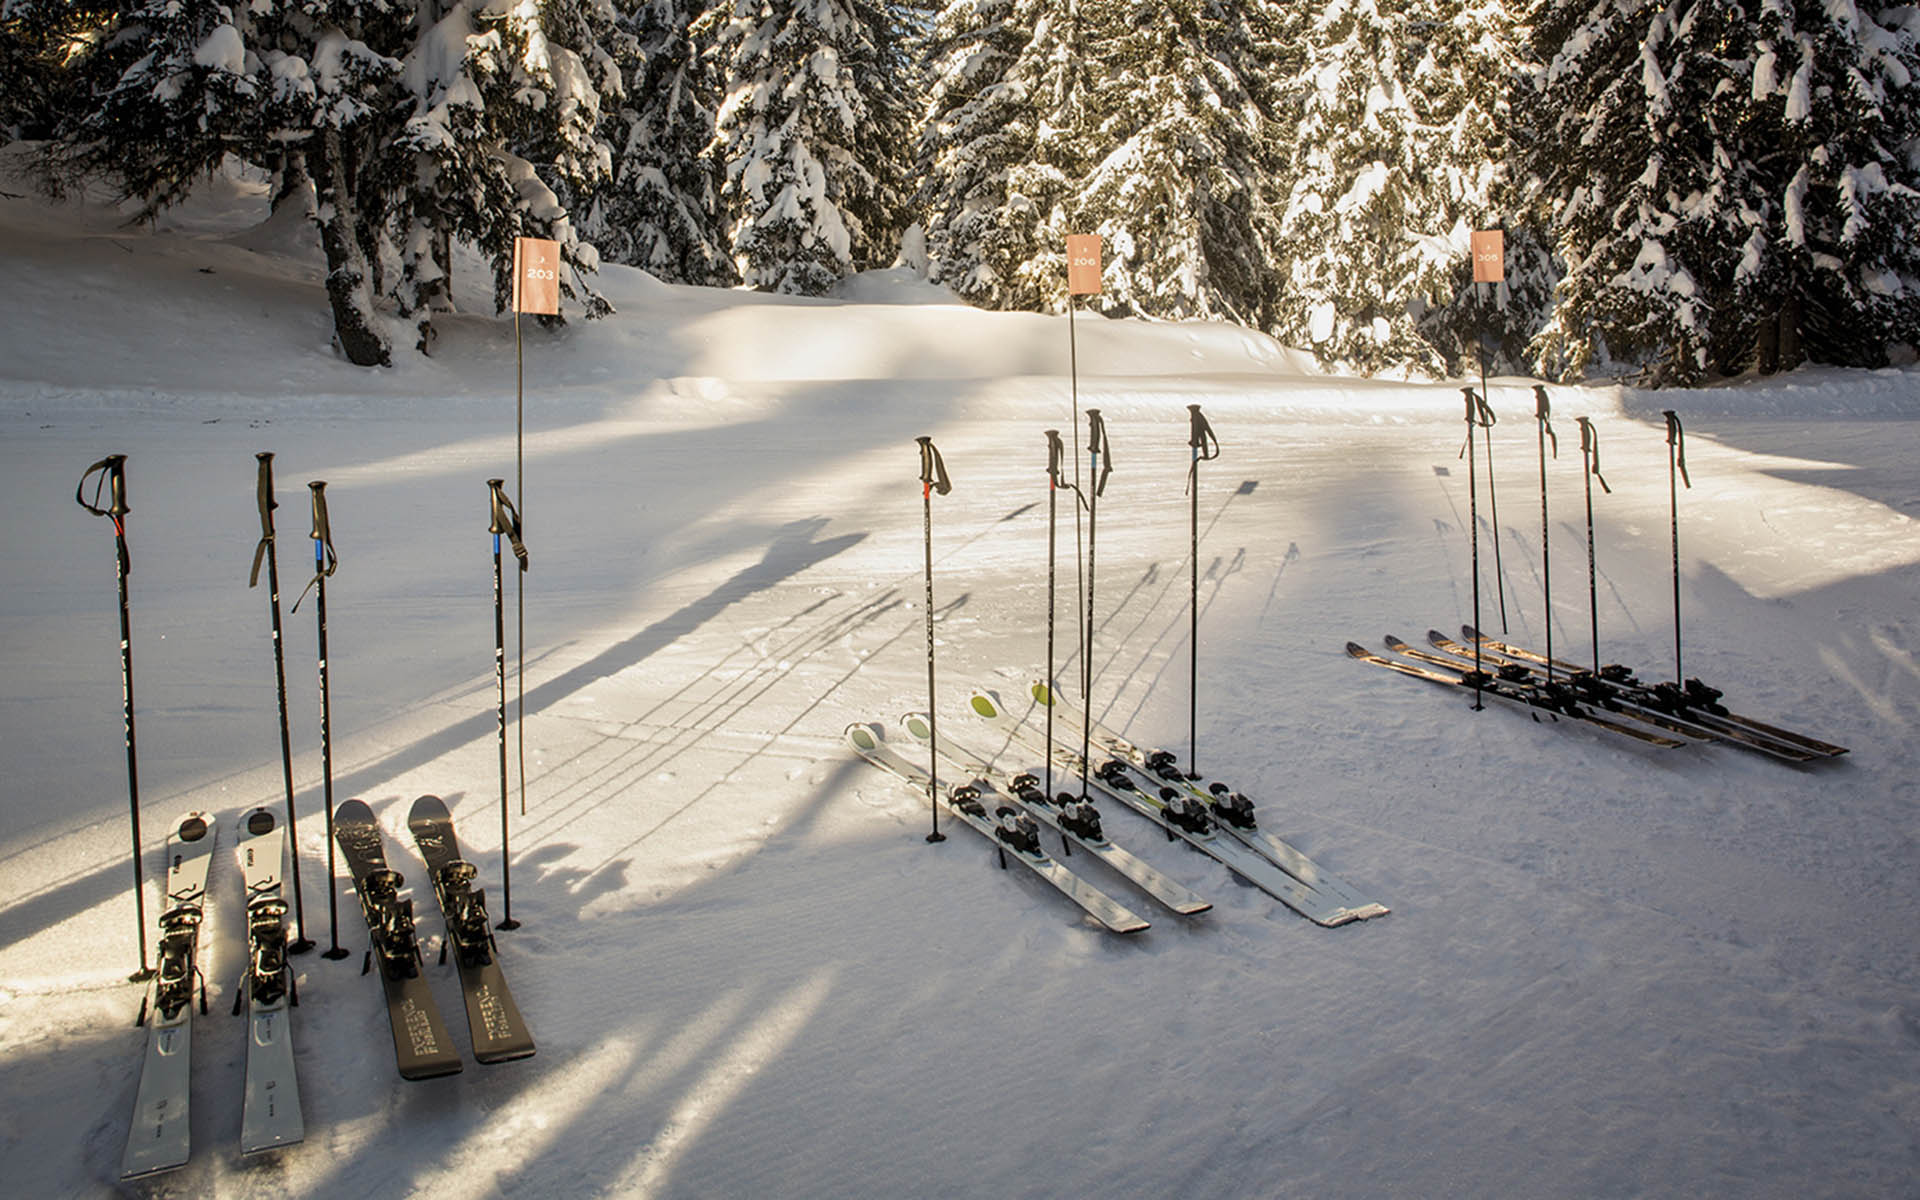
(1610, 970)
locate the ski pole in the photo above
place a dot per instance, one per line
(1055, 450)
(1099, 467)
(1473, 539)
(1205, 448)
(1676, 471)
(266, 551)
(933, 478)
(112, 482)
(503, 519)
(325, 563)
(1543, 411)
(1590, 460)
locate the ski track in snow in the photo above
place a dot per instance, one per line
(1609, 969)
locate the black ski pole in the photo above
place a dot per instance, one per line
(1543, 412)
(1590, 460)
(112, 483)
(503, 519)
(267, 552)
(1205, 448)
(933, 478)
(325, 563)
(1473, 539)
(1099, 467)
(1055, 451)
(1676, 472)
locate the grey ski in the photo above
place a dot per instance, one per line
(270, 1115)
(1512, 692)
(421, 1045)
(1233, 811)
(1586, 686)
(160, 1139)
(1694, 700)
(1014, 834)
(500, 1034)
(1180, 816)
(1077, 823)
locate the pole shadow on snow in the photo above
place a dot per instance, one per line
(792, 551)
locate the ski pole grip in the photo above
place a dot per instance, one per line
(112, 471)
(1471, 402)
(1543, 412)
(263, 495)
(1102, 453)
(933, 468)
(1590, 444)
(322, 534)
(505, 519)
(1056, 455)
(1200, 435)
(1677, 438)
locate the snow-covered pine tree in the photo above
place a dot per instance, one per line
(815, 131)
(661, 210)
(1396, 158)
(1828, 214)
(1179, 195)
(493, 88)
(1641, 163)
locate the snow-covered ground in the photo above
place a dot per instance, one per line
(1610, 970)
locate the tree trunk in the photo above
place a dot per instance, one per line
(355, 327)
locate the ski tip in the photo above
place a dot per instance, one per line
(192, 826)
(1358, 651)
(259, 823)
(428, 808)
(1395, 644)
(985, 704)
(1042, 692)
(918, 726)
(861, 735)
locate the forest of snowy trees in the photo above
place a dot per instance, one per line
(1688, 187)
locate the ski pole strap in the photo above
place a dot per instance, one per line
(1677, 438)
(325, 561)
(1102, 464)
(112, 483)
(505, 519)
(263, 493)
(1479, 413)
(1201, 441)
(1590, 445)
(1056, 455)
(933, 469)
(1543, 410)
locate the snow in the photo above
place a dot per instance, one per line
(1609, 970)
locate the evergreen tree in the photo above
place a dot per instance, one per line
(1180, 198)
(661, 210)
(813, 128)
(1396, 159)
(417, 122)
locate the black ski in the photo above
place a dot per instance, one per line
(1693, 700)
(1537, 700)
(499, 1032)
(421, 1044)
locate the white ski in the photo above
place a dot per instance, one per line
(160, 1139)
(270, 1115)
(1022, 845)
(1081, 829)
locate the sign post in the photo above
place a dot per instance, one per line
(1083, 279)
(1489, 248)
(536, 289)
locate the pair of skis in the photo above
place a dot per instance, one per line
(1613, 700)
(421, 1045)
(1007, 825)
(159, 1139)
(1211, 817)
